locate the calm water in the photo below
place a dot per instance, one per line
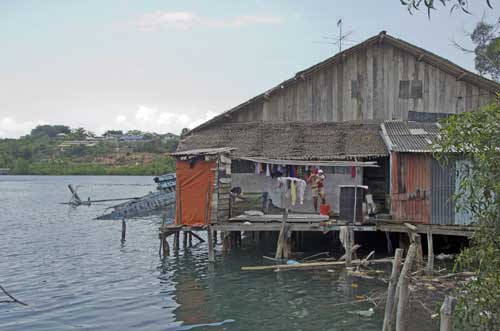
(75, 273)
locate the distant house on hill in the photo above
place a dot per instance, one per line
(131, 138)
(169, 136)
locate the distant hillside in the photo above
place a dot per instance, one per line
(60, 150)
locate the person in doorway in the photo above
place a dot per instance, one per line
(317, 181)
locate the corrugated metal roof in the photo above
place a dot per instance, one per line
(413, 137)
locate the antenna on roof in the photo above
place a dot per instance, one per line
(341, 39)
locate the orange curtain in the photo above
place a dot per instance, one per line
(194, 192)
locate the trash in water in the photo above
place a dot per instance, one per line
(364, 313)
(292, 262)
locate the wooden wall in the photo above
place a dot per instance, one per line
(366, 86)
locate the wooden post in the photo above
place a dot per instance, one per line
(190, 238)
(348, 246)
(165, 246)
(215, 237)
(282, 236)
(184, 239)
(176, 240)
(404, 291)
(124, 230)
(420, 253)
(446, 311)
(226, 242)
(210, 240)
(430, 254)
(391, 291)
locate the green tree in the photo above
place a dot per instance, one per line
(49, 130)
(462, 5)
(475, 137)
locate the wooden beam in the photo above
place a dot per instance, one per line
(420, 57)
(311, 265)
(462, 75)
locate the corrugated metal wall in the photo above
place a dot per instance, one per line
(461, 217)
(411, 187)
(442, 190)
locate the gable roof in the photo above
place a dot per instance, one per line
(410, 137)
(422, 54)
(291, 140)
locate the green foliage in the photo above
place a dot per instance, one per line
(39, 154)
(463, 5)
(487, 41)
(475, 137)
(49, 130)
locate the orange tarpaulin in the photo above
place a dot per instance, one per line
(194, 191)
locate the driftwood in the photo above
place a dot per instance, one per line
(311, 265)
(12, 297)
(391, 291)
(353, 250)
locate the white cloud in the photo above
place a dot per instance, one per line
(248, 20)
(121, 119)
(208, 116)
(158, 19)
(153, 120)
(184, 20)
(145, 114)
(10, 128)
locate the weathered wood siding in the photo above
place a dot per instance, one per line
(380, 82)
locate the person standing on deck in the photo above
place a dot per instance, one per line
(317, 181)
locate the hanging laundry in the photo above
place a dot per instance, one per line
(268, 170)
(301, 189)
(292, 171)
(353, 172)
(257, 168)
(293, 192)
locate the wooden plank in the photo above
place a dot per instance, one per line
(311, 265)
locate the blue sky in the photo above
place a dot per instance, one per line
(162, 65)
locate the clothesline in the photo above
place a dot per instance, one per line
(311, 163)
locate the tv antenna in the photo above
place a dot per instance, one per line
(341, 39)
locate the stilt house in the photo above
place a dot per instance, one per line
(330, 116)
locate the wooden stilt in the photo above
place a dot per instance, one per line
(446, 312)
(215, 237)
(391, 291)
(124, 230)
(430, 254)
(403, 286)
(176, 240)
(165, 246)
(390, 250)
(282, 236)
(197, 237)
(184, 239)
(226, 242)
(420, 254)
(348, 246)
(210, 241)
(190, 238)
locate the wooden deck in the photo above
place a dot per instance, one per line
(319, 223)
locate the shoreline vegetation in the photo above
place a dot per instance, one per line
(60, 150)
